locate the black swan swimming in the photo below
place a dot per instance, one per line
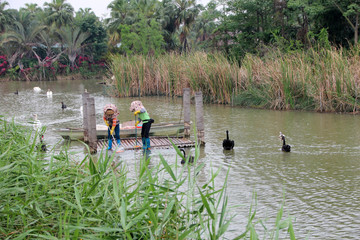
(227, 143)
(285, 147)
(191, 158)
(63, 106)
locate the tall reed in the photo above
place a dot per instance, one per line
(321, 80)
(48, 196)
(169, 74)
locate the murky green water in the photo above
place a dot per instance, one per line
(320, 177)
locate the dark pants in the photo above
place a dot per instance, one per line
(145, 135)
(145, 130)
(117, 132)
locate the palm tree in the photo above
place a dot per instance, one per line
(187, 12)
(168, 16)
(32, 7)
(4, 16)
(120, 14)
(22, 37)
(205, 23)
(59, 12)
(73, 40)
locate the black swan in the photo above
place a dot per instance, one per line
(285, 147)
(17, 92)
(191, 158)
(63, 106)
(228, 144)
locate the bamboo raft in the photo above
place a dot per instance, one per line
(156, 142)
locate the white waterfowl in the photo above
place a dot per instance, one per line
(49, 93)
(37, 89)
(36, 124)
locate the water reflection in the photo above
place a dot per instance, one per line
(320, 176)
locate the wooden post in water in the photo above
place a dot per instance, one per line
(85, 95)
(186, 104)
(200, 118)
(92, 125)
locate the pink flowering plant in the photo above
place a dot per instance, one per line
(3, 64)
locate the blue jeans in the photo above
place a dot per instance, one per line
(117, 133)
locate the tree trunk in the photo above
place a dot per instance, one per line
(356, 29)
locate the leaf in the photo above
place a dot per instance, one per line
(153, 218)
(167, 167)
(116, 190)
(291, 231)
(168, 209)
(123, 214)
(136, 219)
(78, 199)
(206, 204)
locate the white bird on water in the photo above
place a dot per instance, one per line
(36, 124)
(49, 93)
(37, 89)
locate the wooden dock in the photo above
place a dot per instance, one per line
(90, 131)
(156, 142)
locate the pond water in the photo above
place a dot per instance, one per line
(320, 177)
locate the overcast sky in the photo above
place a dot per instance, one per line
(98, 6)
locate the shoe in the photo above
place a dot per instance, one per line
(118, 142)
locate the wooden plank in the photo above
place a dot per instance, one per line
(92, 124)
(156, 142)
(186, 104)
(85, 116)
(200, 118)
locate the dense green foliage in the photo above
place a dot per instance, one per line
(154, 27)
(49, 195)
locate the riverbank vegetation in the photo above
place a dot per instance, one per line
(49, 195)
(326, 80)
(272, 54)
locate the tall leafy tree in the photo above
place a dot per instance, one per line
(22, 37)
(205, 23)
(59, 12)
(32, 8)
(96, 43)
(167, 14)
(5, 15)
(142, 38)
(351, 11)
(120, 13)
(187, 11)
(73, 40)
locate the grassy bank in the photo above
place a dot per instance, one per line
(54, 198)
(48, 196)
(323, 80)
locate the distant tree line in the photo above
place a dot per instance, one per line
(40, 42)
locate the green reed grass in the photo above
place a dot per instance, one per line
(169, 74)
(321, 80)
(48, 196)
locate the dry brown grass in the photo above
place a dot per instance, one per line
(325, 80)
